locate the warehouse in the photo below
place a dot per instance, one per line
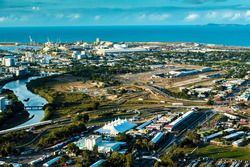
(218, 134)
(173, 125)
(234, 135)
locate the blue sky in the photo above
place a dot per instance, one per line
(122, 12)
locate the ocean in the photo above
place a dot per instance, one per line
(229, 35)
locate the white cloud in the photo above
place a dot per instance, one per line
(236, 16)
(13, 18)
(231, 15)
(142, 16)
(35, 8)
(192, 17)
(212, 15)
(74, 16)
(247, 14)
(159, 17)
(3, 19)
(227, 15)
(59, 15)
(97, 17)
(154, 16)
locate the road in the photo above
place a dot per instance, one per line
(163, 93)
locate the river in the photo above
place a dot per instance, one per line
(22, 93)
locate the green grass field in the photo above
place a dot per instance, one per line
(227, 152)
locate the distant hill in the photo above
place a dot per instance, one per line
(213, 24)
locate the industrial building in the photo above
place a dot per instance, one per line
(157, 137)
(231, 116)
(173, 125)
(240, 142)
(218, 134)
(52, 162)
(234, 135)
(111, 51)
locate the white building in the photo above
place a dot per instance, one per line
(103, 146)
(2, 104)
(231, 116)
(9, 61)
(92, 140)
(115, 127)
(111, 51)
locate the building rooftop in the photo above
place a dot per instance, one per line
(236, 134)
(157, 137)
(117, 126)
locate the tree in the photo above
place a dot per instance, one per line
(86, 157)
(95, 149)
(129, 160)
(145, 144)
(124, 137)
(210, 102)
(72, 148)
(86, 118)
(96, 105)
(245, 140)
(115, 159)
(82, 118)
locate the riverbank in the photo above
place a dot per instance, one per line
(5, 81)
(60, 104)
(15, 114)
(33, 87)
(22, 93)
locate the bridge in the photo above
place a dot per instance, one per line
(33, 107)
(26, 127)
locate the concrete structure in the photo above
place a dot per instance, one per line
(2, 104)
(115, 127)
(103, 146)
(21, 72)
(9, 61)
(104, 52)
(92, 140)
(173, 125)
(231, 116)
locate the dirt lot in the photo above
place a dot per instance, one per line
(146, 77)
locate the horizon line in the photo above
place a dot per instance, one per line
(129, 25)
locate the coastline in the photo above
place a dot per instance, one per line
(206, 34)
